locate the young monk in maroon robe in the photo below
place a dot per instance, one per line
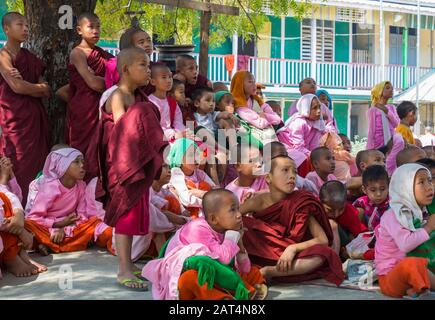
(24, 138)
(87, 68)
(288, 233)
(135, 149)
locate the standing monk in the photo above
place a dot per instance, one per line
(87, 68)
(23, 119)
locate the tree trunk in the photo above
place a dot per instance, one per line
(204, 42)
(53, 45)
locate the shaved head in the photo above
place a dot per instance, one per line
(212, 200)
(126, 57)
(410, 154)
(333, 192)
(9, 17)
(87, 16)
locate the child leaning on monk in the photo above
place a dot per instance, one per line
(218, 235)
(343, 217)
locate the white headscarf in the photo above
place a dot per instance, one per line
(402, 198)
(304, 107)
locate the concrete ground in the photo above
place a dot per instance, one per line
(91, 275)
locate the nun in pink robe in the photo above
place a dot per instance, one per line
(301, 135)
(381, 128)
(53, 202)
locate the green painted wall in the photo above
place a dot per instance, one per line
(275, 44)
(292, 48)
(3, 10)
(342, 41)
(341, 115)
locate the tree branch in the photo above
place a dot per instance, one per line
(249, 17)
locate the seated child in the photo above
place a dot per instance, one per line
(367, 158)
(276, 107)
(171, 118)
(411, 154)
(407, 112)
(251, 108)
(289, 234)
(190, 182)
(276, 149)
(324, 165)
(58, 218)
(250, 176)
(430, 164)
(309, 86)
(224, 101)
(187, 72)
(206, 116)
(178, 93)
(302, 132)
(219, 86)
(218, 236)
(343, 217)
(14, 239)
(343, 160)
(430, 151)
(373, 205)
(410, 191)
(347, 145)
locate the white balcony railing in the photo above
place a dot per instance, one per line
(283, 72)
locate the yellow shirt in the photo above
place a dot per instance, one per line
(406, 133)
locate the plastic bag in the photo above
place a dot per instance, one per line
(358, 246)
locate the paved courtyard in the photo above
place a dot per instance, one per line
(90, 275)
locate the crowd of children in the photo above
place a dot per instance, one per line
(206, 180)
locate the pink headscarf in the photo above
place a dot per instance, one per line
(57, 163)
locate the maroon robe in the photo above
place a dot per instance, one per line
(24, 123)
(286, 223)
(82, 110)
(135, 150)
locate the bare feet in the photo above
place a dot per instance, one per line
(20, 268)
(27, 239)
(25, 257)
(261, 293)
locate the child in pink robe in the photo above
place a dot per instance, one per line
(302, 132)
(324, 165)
(217, 241)
(59, 218)
(171, 118)
(402, 229)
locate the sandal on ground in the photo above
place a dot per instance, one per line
(125, 283)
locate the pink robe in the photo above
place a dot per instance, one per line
(13, 187)
(259, 184)
(375, 135)
(300, 135)
(169, 129)
(54, 202)
(318, 182)
(330, 124)
(23, 120)
(251, 116)
(393, 242)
